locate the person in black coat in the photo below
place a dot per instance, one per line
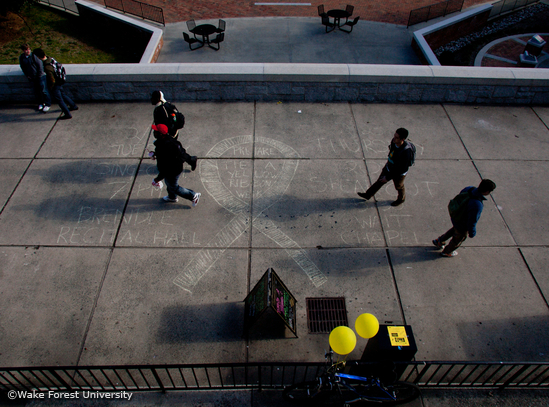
(161, 115)
(169, 161)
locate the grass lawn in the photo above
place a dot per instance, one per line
(64, 37)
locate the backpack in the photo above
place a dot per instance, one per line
(59, 72)
(176, 119)
(413, 148)
(457, 207)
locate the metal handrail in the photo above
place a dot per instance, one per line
(506, 6)
(138, 9)
(225, 376)
(66, 5)
(422, 14)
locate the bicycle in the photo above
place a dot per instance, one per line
(333, 387)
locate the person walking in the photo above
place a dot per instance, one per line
(55, 85)
(33, 68)
(165, 113)
(169, 161)
(465, 211)
(401, 157)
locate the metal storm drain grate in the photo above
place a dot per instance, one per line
(324, 314)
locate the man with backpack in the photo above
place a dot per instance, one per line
(401, 156)
(169, 161)
(33, 69)
(55, 75)
(465, 210)
(167, 114)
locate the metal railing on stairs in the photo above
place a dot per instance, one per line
(505, 6)
(67, 5)
(422, 14)
(232, 376)
(138, 9)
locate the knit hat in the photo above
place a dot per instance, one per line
(161, 128)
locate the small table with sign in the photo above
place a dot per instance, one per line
(337, 15)
(392, 343)
(270, 308)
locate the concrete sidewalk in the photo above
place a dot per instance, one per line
(295, 40)
(99, 270)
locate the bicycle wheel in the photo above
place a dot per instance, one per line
(393, 394)
(301, 393)
(309, 393)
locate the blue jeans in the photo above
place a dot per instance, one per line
(60, 97)
(174, 189)
(41, 91)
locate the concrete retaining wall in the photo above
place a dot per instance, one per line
(104, 17)
(286, 82)
(445, 31)
(294, 82)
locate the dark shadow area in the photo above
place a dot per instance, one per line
(202, 323)
(109, 35)
(509, 340)
(13, 113)
(87, 171)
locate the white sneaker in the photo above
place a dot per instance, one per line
(168, 199)
(196, 198)
(45, 109)
(40, 107)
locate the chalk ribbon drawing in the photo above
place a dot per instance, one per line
(262, 200)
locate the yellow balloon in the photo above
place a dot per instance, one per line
(366, 325)
(342, 340)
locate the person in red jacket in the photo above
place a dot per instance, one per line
(169, 161)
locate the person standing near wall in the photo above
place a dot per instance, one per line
(33, 69)
(55, 85)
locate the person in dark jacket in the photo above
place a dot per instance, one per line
(161, 115)
(169, 161)
(33, 69)
(400, 158)
(55, 87)
(466, 225)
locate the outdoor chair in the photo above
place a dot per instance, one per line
(326, 22)
(191, 41)
(221, 26)
(217, 40)
(321, 11)
(191, 25)
(349, 9)
(350, 24)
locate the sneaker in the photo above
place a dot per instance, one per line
(45, 109)
(194, 159)
(453, 254)
(168, 199)
(397, 202)
(438, 244)
(196, 198)
(64, 117)
(73, 108)
(363, 195)
(40, 107)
